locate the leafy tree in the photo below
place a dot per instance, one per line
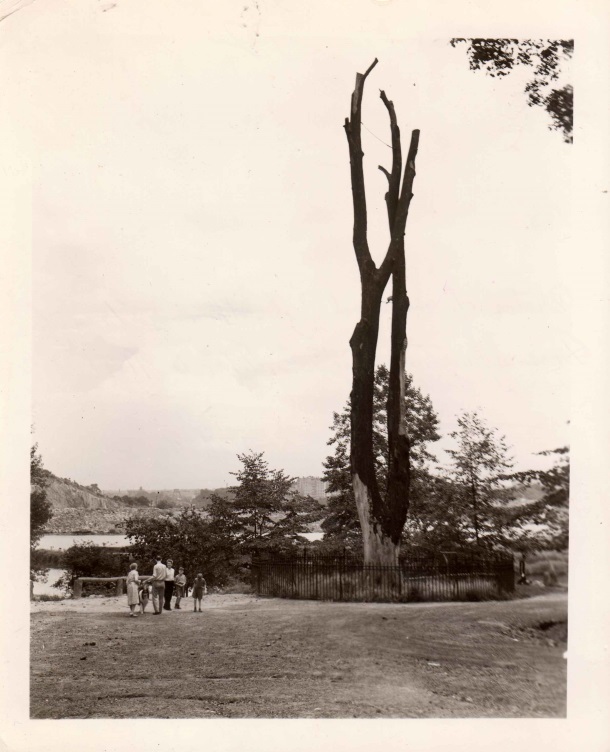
(262, 510)
(551, 511)
(341, 520)
(435, 521)
(90, 560)
(188, 538)
(498, 57)
(479, 465)
(165, 504)
(41, 510)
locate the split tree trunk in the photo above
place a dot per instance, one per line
(382, 517)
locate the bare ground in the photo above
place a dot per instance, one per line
(248, 657)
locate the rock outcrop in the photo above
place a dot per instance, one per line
(74, 521)
(85, 509)
(66, 494)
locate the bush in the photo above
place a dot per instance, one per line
(46, 597)
(43, 558)
(190, 541)
(90, 560)
(165, 504)
(234, 585)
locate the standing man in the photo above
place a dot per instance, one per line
(158, 585)
(169, 585)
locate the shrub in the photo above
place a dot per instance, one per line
(90, 560)
(43, 558)
(47, 597)
(190, 541)
(235, 586)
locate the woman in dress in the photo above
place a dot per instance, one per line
(132, 589)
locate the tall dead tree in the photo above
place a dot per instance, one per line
(382, 516)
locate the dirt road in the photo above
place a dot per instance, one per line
(268, 658)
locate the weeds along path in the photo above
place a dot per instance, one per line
(268, 658)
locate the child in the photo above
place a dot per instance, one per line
(144, 593)
(180, 584)
(199, 588)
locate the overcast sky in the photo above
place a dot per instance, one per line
(194, 283)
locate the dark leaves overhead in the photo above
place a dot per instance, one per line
(499, 57)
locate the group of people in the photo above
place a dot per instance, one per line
(161, 587)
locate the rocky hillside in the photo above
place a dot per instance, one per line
(85, 509)
(80, 521)
(67, 494)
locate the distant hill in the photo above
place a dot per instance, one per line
(307, 486)
(178, 496)
(64, 493)
(88, 509)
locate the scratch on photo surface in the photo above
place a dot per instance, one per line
(8, 7)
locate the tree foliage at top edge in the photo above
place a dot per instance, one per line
(499, 57)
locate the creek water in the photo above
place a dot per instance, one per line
(60, 542)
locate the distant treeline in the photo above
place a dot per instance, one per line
(161, 501)
(114, 558)
(143, 501)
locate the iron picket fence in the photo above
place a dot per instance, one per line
(444, 576)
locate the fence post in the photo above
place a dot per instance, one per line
(77, 590)
(119, 586)
(399, 580)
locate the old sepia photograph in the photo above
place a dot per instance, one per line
(302, 360)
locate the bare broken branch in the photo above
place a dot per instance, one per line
(385, 172)
(353, 131)
(394, 180)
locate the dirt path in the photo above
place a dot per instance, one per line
(268, 658)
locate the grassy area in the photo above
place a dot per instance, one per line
(268, 658)
(540, 563)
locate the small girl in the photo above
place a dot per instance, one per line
(199, 589)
